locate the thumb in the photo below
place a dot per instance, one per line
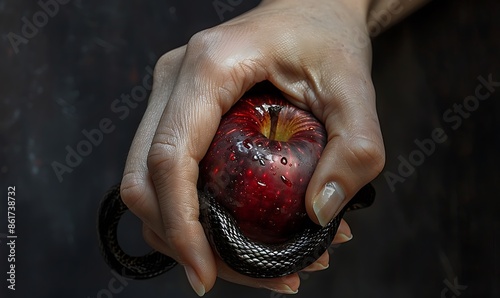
(353, 156)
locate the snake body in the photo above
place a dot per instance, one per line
(240, 253)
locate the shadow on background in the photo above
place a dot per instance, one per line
(433, 231)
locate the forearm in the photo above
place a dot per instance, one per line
(383, 14)
(376, 15)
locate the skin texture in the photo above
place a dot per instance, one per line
(318, 54)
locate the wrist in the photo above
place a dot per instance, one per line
(383, 14)
(375, 15)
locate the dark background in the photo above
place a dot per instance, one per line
(439, 227)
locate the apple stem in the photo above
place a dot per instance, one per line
(274, 112)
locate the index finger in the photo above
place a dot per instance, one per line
(205, 89)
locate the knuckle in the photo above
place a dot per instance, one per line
(215, 54)
(166, 59)
(206, 53)
(165, 62)
(162, 64)
(216, 49)
(203, 51)
(161, 161)
(369, 154)
(162, 153)
(205, 39)
(132, 190)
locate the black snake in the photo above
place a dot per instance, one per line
(241, 254)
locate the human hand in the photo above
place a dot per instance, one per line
(307, 50)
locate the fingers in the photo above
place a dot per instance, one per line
(286, 285)
(137, 190)
(321, 263)
(337, 88)
(206, 87)
(196, 84)
(343, 233)
(338, 91)
(354, 154)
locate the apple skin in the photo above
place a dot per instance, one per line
(261, 179)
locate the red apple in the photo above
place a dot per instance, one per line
(260, 162)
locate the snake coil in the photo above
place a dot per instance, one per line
(243, 255)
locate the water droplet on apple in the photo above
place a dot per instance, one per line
(277, 210)
(232, 157)
(262, 162)
(247, 144)
(283, 160)
(286, 181)
(261, 183)
(255, 157)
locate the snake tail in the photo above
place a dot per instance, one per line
(143, 267)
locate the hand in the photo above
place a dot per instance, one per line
(308, 51)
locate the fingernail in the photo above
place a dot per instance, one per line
(317, 266)
(195, 281)
(342, 238)
(283, 289)
(327, 202)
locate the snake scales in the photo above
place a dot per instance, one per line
(241, 254)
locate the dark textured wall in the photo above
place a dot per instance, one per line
(436, 228)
